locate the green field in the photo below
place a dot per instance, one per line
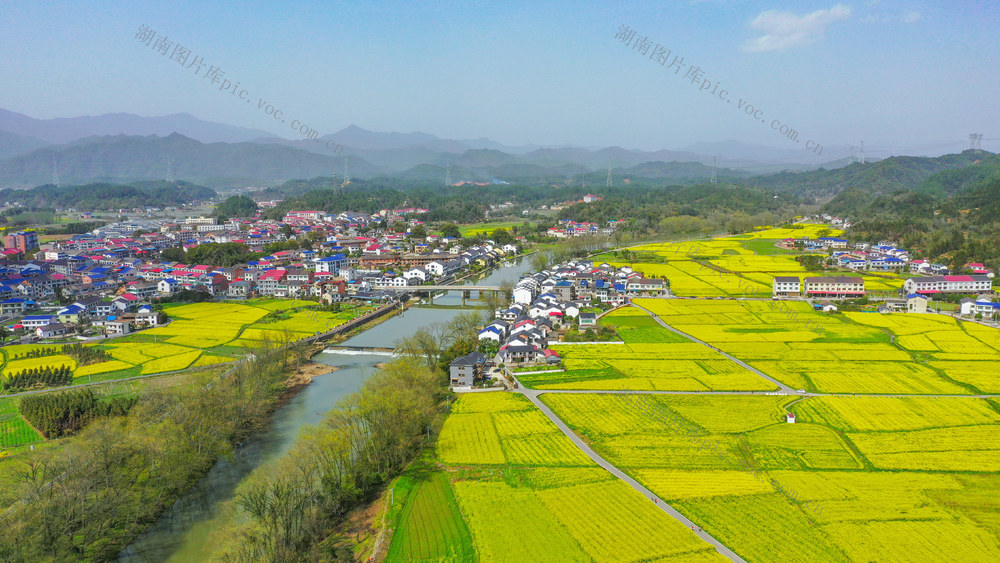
(525, 493)
(429, 525)
(14, 430)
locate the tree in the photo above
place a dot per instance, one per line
(451, 230)
(502, 236)
(418, 232)
(236, 206)
(172, 254)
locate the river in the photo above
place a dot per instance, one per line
(183, 531)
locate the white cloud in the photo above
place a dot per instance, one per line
(784, 30)
(911, 17)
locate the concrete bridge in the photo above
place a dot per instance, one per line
(431, 290)
(410, 288)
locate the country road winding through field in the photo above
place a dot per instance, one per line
(737, 361)
(532, 396)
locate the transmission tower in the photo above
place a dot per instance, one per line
(861, 158)
(715, 178)
(608, 183)
(347, 175)
(170, 170)
(447, 175)
(55, 173)
(975, 141)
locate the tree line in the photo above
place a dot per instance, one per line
(288, 509)
(38, 377)
(88, 498)
(86, 355)
(65, 412)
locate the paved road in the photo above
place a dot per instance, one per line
(737, 361)
(789, 394)
(532, 395)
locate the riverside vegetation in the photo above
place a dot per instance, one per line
(86, 497)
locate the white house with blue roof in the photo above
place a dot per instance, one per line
(330, 264)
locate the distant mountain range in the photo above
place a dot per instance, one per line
(121, 147)
(124, 148)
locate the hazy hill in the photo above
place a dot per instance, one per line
(12, 144)
(884, 176)
(67, 129)
(125, 158)
(105, 196)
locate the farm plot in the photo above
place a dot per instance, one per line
(431, 527)
(540, 536)
(812, 486)
(612, 522)
(14, 430)
(801, 446)
(170, 363)
(751, 525)
(504, 431)
(963, 448)
(653, 358)
(54, 362)
(817, 352)
(866, 414)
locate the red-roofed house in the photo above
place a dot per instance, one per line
(268, 282)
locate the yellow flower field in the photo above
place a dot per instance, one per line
(866, 414)
(101, 367)
(16, 366)
(801, 446)
(963, 448)
(612, 522)
(170, 363)
(470, 438)
(674, 484)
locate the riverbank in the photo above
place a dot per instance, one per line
(185, 532)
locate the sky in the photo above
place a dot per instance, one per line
(899, 75)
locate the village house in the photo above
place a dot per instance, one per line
(465, 370)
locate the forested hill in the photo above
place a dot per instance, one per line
(886, 176)
(104, 196)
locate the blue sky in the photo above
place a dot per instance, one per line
(894, 74)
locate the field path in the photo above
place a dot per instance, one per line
(532, 395)
(784, 388)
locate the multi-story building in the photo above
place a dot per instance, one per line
(785, 286)
(835, 286)
(21, 240)
(949, 284)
